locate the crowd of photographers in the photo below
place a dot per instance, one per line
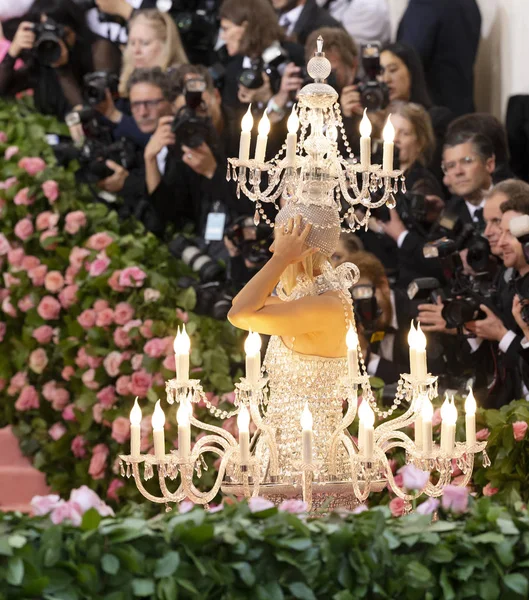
(153, 94)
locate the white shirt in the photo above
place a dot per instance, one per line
(161, 159)
(289, 19)
(472, 208)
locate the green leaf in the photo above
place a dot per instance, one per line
(301, 590)
(418, 575)
(91, 520)
(5, 547)
(441, 554)
(15, 571)
(517, 583)
(167, 565)
(17, 541)
(143, 588)
(488, 538)
(507, 527)
(166, 589)
(110, 564)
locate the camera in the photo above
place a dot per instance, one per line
(213, 299)
(185, 249)
(48, 38)
(189, 128)
(366, 307)
(95, 86)
(374, 94)
(197, 22)
(272, 61)
(252, 241)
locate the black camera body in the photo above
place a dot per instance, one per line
(252, 241)
(48, 38)
(273, 61)
(95, 86)
(189, 128)
(374, 94)
(197, 22)
(204, 266)
(366, 307)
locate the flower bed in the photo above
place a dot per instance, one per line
(253, 551)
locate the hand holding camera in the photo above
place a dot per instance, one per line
(115, 182)
(163, 136)
(291, 83)
(261, 94)
(520, 308)
(200, 159)
(351, 102)
(24, 39)
(489, 328)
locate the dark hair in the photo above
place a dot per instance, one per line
(262, 28)
(517, 192)
(178, 77)
(64, 12)
(153, 76)
(408, 55)
(482, 144)
(352, 243)
(334, 39)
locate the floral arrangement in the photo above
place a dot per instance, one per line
(89, 310)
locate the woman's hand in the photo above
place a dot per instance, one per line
(289, 243)
(23, 40)
(261, 94)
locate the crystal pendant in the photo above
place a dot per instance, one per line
(228, 173)
(256, 218)
(403, 185)
(122, 468)
(238, 192)
(391, 202)
(147, 471)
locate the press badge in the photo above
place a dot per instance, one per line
(215, 227)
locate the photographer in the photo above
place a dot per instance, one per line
(58, 50)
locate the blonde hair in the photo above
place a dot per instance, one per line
(309, 265)
(173, 53)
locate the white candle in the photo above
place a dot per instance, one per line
(252, 347)
(413, 353)
(182, 345)
(246, 135)
(184, 428)
(361, 431)
(389, 135)
(135, 431)
(262, 138)
(426, 417)
(351, 339)
(448, 426)
(367, 420)
(470, 418)
(306, 424)
(243, 423)
(418, 422)
(292, 138)
(365, 141)
(420, 347)
(158, 422)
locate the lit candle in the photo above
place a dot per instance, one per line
(181, 346)
(365, 141)
(361, 409)
(426, 417)
(367, 419)
(243, 423)
(389, 135)
(306, 424)
(184, 428)
(420, 347)
(246, 135)
(158, 422)
(448, 426)
(351, 339)
(252, 347)
(262, 138)
(418, 422)
(292, 138)
(470, 418)
(135, 431)
(413, 353)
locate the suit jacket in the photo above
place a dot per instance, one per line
(517, 125)
(446, 35)
(313, 17)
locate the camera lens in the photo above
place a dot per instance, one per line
(48, 49)
(459, 311)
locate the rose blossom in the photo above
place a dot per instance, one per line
(29, 263)
(151, 295)
(97, 412)
(123, 312)
(107, 396)
(105, 318)
(23, 199)
(24, 229)
(9, 182)
(258, 504)
(88, 379)
(46, 220)
(140, 382)
(87, 318)
(49, 233)
(5, 246)
(100, 265)
(100, 305)
(155, 347)
(78, 446)
(414, 478)
(482, 434)
(113, 487)
(455, 499)
(396, 506)
(26, 303)
(38, 275)
(32, 165)
(59, 398)
(17, 382)
(121, 430)
(68, 296)
(87, 499)
(8, 308)
(98, 462)
(112, 363)
(133, 324)
(113, 282)
(51, 190)
(123, 385)
(15, 257)
(28, 399)
(293, 506)
(81, 360)
(67, 511)
(49, 308)
(132, 277)
(74, 221)
(68, 413)
(121, 338)
(99, 241)
(182, 315)
(519, 429)
(10, 280)
(10, 152)
(77, 257)
(169, 362)
(145, 329)
(3, 329)
(67, 372)
(428, 507)
(54, 281)
(56, 431)
(38, 360)
(488, 490)
(93, 361)
(42, 505)
(137, 361)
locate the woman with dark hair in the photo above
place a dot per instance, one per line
(54, 69)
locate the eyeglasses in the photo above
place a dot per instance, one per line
(134, 106)
(451, 166)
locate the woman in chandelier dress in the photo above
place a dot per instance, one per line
(308, 320)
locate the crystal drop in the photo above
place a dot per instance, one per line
(238, 192)
(486, 459)
(128, 470)
(403, 185)
(122, 468)
(228, 173)
(148, 472)
(256, 218)
(391, 203)
(168, 508)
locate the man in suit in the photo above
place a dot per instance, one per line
(299, 18)
(446, 35)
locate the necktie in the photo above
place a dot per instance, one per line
(479, 220)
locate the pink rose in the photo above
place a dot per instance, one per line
(49, 308)
(112, 362)
(77, 257)
(67, 511)
(121, 338)
(87, 499)
(133, 324)
(38, 275)
(230, 425)
(413, 478)
(17, 382)
(48, 388)
(97, 412)
(26, 303)
(140, 382)
(46, 220)
(100, 305)
(123, 385)
(99, 266)
(113, 488)
(113, 282)
(88, 379)
(38, 360)
(10, 152)
(488, 490)
(132, 277)
(169, 363)
(42, 505)
(87, 318)
(45, 235)
(104, 318)
(146, 330)
(99, 241)
(136, 362)
(51, 190)
(123, 313)
(94, 361)
(81, 360)
(428, 507)
(74, 221)
(24, 229)
(155, 348)
(293, 506)
(67, 372)
(182, 315)
(78, 446)
(8, 308)
(30, 262)
(56, 431)
(258, 504)
(23, 199)
(396, 506)
(15, 257)
(3, 329)
(151, 295)
(28, 399)
(121, 430)
(519, 429)
(68, 296)
(98, 462)
(32, 165)
(107, 396)
(3, 137)
(455, 499)
(54, 281)
(482, 434)
(9, 182)
(10, 280)
(68, 413)
(59, 398)
(5, 246)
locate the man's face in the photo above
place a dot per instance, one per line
(492, 215)
(511, 248)
(466, 171)
(345, 74)
(148, 104)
